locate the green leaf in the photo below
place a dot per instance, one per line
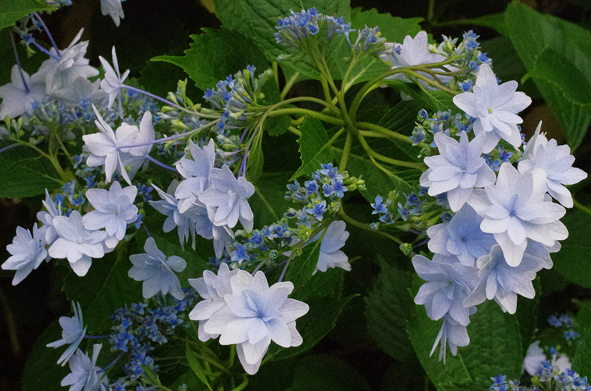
(533, 34)
(257, 19)
(25, 173)
(386, 311)
(393, 28)
(196, 366)
(494, 21)
(572, 261)
(268, 202)
(313, 147)
(401, 119)
(103, 289)
(302, 266)
(527, 315)
(584, 315)
(582, 361)
(215, 54)
(41, 370)
(13, 10)
(376, 181)
(495, 346)
(256, 159)
(324, 373)
(276, 126)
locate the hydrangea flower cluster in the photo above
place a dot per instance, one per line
(504, 225)
(549, 378)
(243, 310)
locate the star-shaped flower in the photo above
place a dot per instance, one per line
(85, 375)
(495, 108)
(113, 81)
(27, 253)
(330, 248)
(73, 332)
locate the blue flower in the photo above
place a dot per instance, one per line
(72, 334)
(318, 210)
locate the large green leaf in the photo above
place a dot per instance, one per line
(313, 147)
(401, 119)
(393, 28)
(582, 361)
(25, 173)
(268, 202)
(13, 10)
(325, 373)
(103, 289)
(387, 308)
(495, 347)
(572, 261)
(257, 19)
(536, 38)
(302, 266)
(216, 54)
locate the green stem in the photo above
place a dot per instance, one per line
(366, 227)
(346, 151)
(243, 385)
(288, 85)
(312, 113)
(275, 72)
(295, 130)
(388, 132)
(582, 207)
(402, 163)
(52, 159)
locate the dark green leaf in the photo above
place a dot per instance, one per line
(103, 289)
(313, 147)
(302, 266)
(401, 119)
(495, 346)
(527, 311)
(216, 54)
(393, 28)
(13, 10)
(196, 366)
(582, 361)
(324, 373)
(494, 21)
(268, 202)
(41, 370)
(25, 173)
(387, 309)
(276, 126)
(256, 159)
(584, 315)
(572, 261)
(532, 34)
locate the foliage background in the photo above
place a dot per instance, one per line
(348, 358)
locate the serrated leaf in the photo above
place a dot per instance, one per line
(25, 173)
(13, 10)
(495, 346)
(196, 366)
(386, 310)
(276, 126)
(482, 385)
(103, 289)
(313, 147)
(215, 54)
(257, 19)
(582, 361)
(532, 33)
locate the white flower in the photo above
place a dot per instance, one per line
(212, 289)
(330, 254)
(81, 89)
(457, 169)
(157, 272)
(118, 150)
(73, 333)
(60, 71)
(85, 374)
(534, 358)
(17, 98)
(414, 51)
(113, 81)
(76, 244)
(169, 207)
(453, 334)
(495, 108)
(47, 218)
(515, 209)
(229, 195)
(113, 210)
(27, 253)
(556, 161)
(196, 173)
(256, 314)
(114, 9)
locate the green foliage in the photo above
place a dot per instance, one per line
(256, 159)
(103, 289)
(196, 366)
(387, 308)
(302, 266)
(495, 347)
(216, 54)
(276, 126)
(41, 369)
(572, 261)
(325, 373)
(257, 19)
(25, 173)
(527, 315)
(13, 10)
(314, 148)
(582, 361)
(393, 28)
(562, 80)
(268, 203)
(401, 119)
